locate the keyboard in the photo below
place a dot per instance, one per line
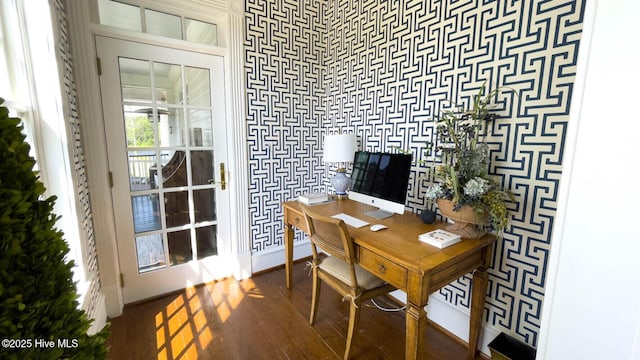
(350, 220)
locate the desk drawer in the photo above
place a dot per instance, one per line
(296, 219)
(385, 269)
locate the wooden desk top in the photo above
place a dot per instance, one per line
(399, 242)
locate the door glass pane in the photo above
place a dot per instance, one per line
(182, 131)
(138, 123)
(201, 32)
(198, 91)
(142, 170)
(162, 24)
(201, 167)
(171, 128)
(124, 16)
(204, 203)
(174, 168)
(168, 82)
(120, 15)
(146, 213)
(150, 252)
(206, 241)
(176, 206)
(179, 243)
(135, 80)
(200, 125)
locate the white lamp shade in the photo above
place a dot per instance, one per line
(339, 148)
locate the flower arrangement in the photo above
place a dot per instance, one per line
(463, 175)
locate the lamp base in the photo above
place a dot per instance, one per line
(341, 182)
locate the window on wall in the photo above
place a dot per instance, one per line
(32, 93)
(15, 91)
(138, 18)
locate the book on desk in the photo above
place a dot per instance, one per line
(313, 198)
(439, 238)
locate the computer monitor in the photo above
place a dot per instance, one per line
(381, 179)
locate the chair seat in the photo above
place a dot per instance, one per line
(340, 270)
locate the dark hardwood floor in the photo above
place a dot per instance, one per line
(259, 318)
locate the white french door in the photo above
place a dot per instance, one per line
(164, 113)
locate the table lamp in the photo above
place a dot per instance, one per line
(340, 148)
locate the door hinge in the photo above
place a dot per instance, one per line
(121, 280)
(99, 65)
(110, 179)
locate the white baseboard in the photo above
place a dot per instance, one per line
(453, 320)
(241, 268)
(275, 257)
(113, 300)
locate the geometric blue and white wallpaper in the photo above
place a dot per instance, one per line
(285, 48)
(384, 69)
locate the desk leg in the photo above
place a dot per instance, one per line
(288, 254)
(478, 295)
(416, 326)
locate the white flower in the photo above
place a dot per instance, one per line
(434, 192)
(476, 187)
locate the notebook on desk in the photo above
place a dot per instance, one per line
(350, 220)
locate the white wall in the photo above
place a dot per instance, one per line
(592, 302)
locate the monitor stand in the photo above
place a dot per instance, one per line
(379, 214)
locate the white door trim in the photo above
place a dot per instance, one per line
(81, 34)
(238, 153)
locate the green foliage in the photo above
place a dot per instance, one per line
(463, 175)
(140, 132)
(38, 299)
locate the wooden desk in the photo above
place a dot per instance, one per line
(397, 256)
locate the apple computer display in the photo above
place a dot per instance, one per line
(381, 179)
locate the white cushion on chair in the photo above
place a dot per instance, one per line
(340, 270)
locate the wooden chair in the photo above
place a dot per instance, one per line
(340, 270)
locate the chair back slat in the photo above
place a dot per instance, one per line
(331, 235)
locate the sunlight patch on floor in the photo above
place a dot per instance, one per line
(225, 303)
(181, 327)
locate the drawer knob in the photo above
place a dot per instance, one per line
(382, 269)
